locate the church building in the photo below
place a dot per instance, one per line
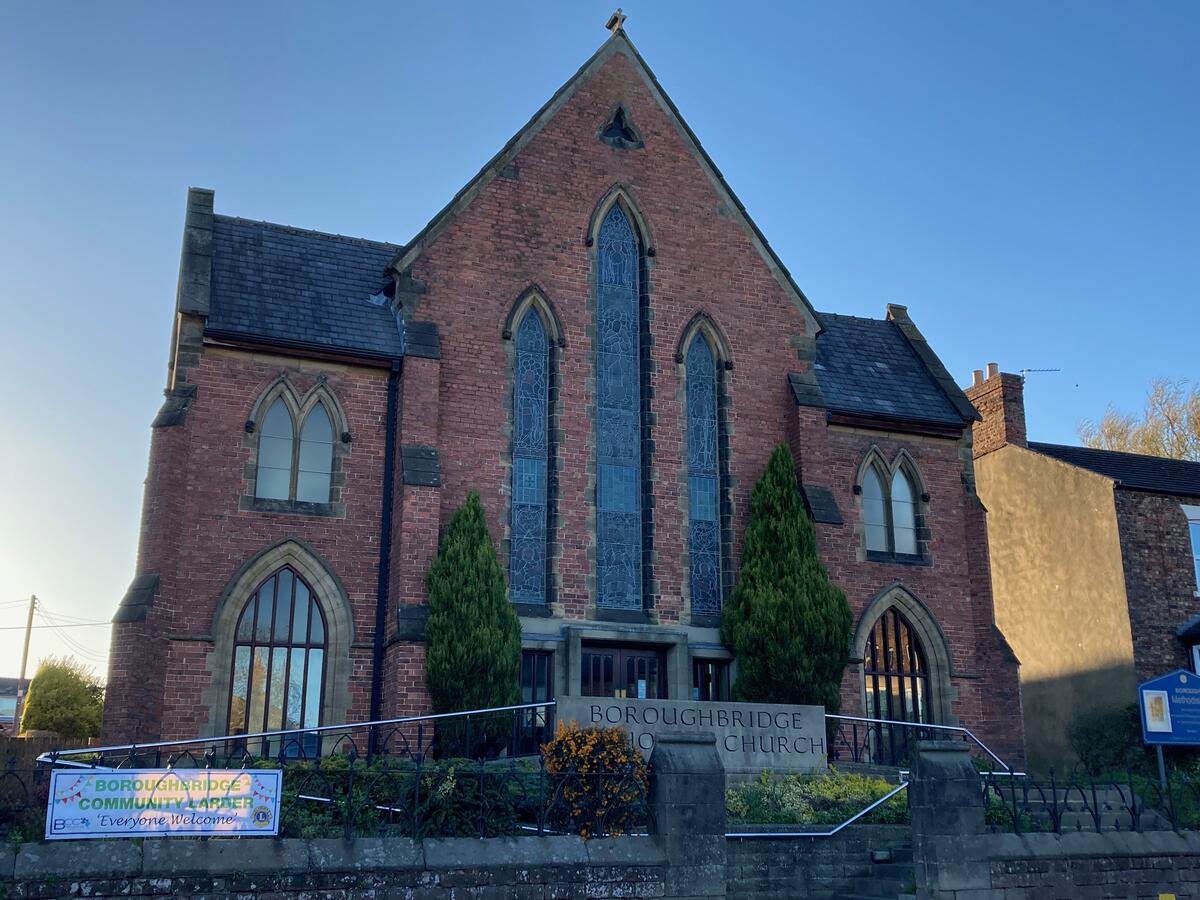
(594, 336)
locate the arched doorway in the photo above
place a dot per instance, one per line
(896, 676)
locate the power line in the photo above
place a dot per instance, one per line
(52, 625)
(63, 619)
(72, 644)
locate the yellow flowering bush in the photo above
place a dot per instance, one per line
(597, 781)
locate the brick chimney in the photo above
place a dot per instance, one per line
(1000, 399)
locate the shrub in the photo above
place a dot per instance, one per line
(826, 798)
(473, 635)
(787, 624)
(66, 698)
(447, 798)
(1109, 739)
(598, 781)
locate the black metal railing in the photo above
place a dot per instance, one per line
(349, 797)
(893, 743)
(1126, 800)
(485, 734)
(478, 773)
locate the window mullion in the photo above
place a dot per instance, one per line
(298, 431)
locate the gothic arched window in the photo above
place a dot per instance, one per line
(704, 478)
(875, 518)
(289, 469)
(275, 442)
(314, 464)
(904, 514)
(530, 451)
(618, 416)
(890, 511)
(278, 658)
(897, 685)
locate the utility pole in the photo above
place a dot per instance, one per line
(24, 661)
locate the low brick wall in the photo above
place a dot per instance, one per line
(1079, 866)
(818, 868)
(494, 869)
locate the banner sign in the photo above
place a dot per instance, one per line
(751, 737)
(1170, 709)
(107, 803)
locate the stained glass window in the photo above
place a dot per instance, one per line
(527, 561)
(279, 662)
(618, 416)
(704, 478)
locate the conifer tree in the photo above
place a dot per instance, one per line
(788, 625)
(473, 635)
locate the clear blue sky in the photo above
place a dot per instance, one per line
(1022, 176)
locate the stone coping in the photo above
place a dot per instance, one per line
(854, 831)
(1080, 844)
(178, 857)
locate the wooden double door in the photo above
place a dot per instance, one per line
(623, 672)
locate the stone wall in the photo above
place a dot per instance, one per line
(762, 868)
(955, 858)
(494, 869)
(1079, 866)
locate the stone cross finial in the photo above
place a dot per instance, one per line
(616, 21)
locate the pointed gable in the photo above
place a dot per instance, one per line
(618, 47)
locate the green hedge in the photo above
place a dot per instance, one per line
(828, 798)
(446, 798)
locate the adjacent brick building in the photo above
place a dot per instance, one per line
(1096, 559)
(595, 337)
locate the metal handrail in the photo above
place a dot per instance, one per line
(957, 729)
(53, 756)
(799, 834)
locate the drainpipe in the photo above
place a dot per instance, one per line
(385, 548)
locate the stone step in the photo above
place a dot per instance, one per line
(1062, 795)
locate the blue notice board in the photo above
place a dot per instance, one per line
(1170, 708)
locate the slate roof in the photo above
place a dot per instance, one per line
(868, 367)
(302, 288)
(1130, 470)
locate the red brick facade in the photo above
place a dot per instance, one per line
(530, 222)
(1160, 578)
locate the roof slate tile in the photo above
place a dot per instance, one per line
(261, 270)
(867, 367)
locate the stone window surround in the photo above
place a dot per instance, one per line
(1193, 517)
(299, 407)
(938, 658)
(620, 194)
(705, 327)
(329, 592)
(533, 299)
(903, 461)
